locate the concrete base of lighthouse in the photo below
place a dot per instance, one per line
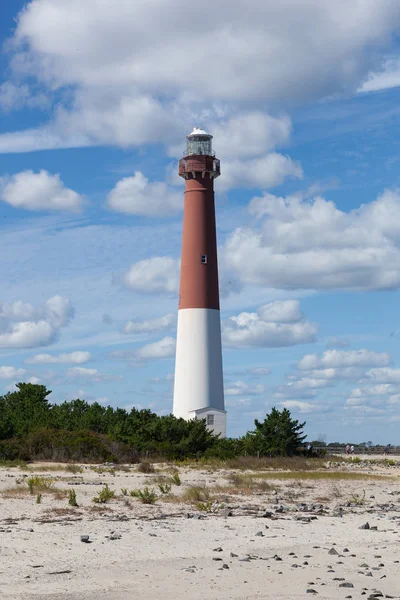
(215, 419)
(198, 387)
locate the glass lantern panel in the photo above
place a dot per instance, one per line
(199, 145)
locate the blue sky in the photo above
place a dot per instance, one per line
(303, 101)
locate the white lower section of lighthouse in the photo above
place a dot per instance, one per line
(199, 386)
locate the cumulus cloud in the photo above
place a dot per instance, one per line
(89, 374)
(386, 77)
(153, 275)
(11, 372)
(301, 244)
(241, 388)
(14, 97)
(150, 325)
(24, 326)
(261, 172)
(116, 87)
(302, 407)
(275, 324)
(383, 375)
(137, 196)
(77, 357)
(38, 191)
(163, 348)
(342, 358)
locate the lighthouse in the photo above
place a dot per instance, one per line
(199, 387)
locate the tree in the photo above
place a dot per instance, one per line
(278, 434)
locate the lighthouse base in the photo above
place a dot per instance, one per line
(198, 386)
(215, 419)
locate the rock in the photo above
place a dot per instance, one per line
(346, 550)
(365, 526)
(244, 558)
(311, 591)
(85, 539)
(233, 555)
(260, 534)
(276, 557)
(333, 551)
(267, 515)
(346, 584)
(219, 549)
(225, 566)
(217, 558)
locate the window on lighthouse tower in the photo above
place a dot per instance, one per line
(204, 259)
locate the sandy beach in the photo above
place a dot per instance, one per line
(259, 535)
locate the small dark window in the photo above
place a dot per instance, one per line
(210, 419)
(204, 259)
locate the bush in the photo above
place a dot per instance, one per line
(104, 496)
(146, 496)
(146, 467)
(39, 483)
(176, 480)
(72, 498)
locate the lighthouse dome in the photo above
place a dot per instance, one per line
(199, 142)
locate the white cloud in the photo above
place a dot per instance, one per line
(153, 275)
(24, 326)
(116, 87)
(89, 375)
(344, 358)
(284, 311)
(164, 348)
(11, 372)
(387, 77)
(302, 407)
(38, 191)
(137, 196)
(383, 375)
(151, 325)
(264, 329)
(250, 134)
(299, 244)
(82, 372)
(14, 97)
(261, 172)
(240, 388)
(77, 357)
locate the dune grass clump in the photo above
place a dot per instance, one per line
(104, 496)
(74, 469)
(146, 496)
(72, 498)
(196, 493)
(146, 467)
(9, 464)
(39, 484)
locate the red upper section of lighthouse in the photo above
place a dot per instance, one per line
(199, 264)
(199, 157)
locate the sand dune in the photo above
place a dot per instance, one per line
(267, 537)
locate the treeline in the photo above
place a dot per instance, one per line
(32, 428)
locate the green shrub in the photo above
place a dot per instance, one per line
(38, 498)
(146, 496)
(104, 496)
(124, 491)
(176, 479)
(164, 488)
(146, 467)
(39, 483)
(72, 498)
